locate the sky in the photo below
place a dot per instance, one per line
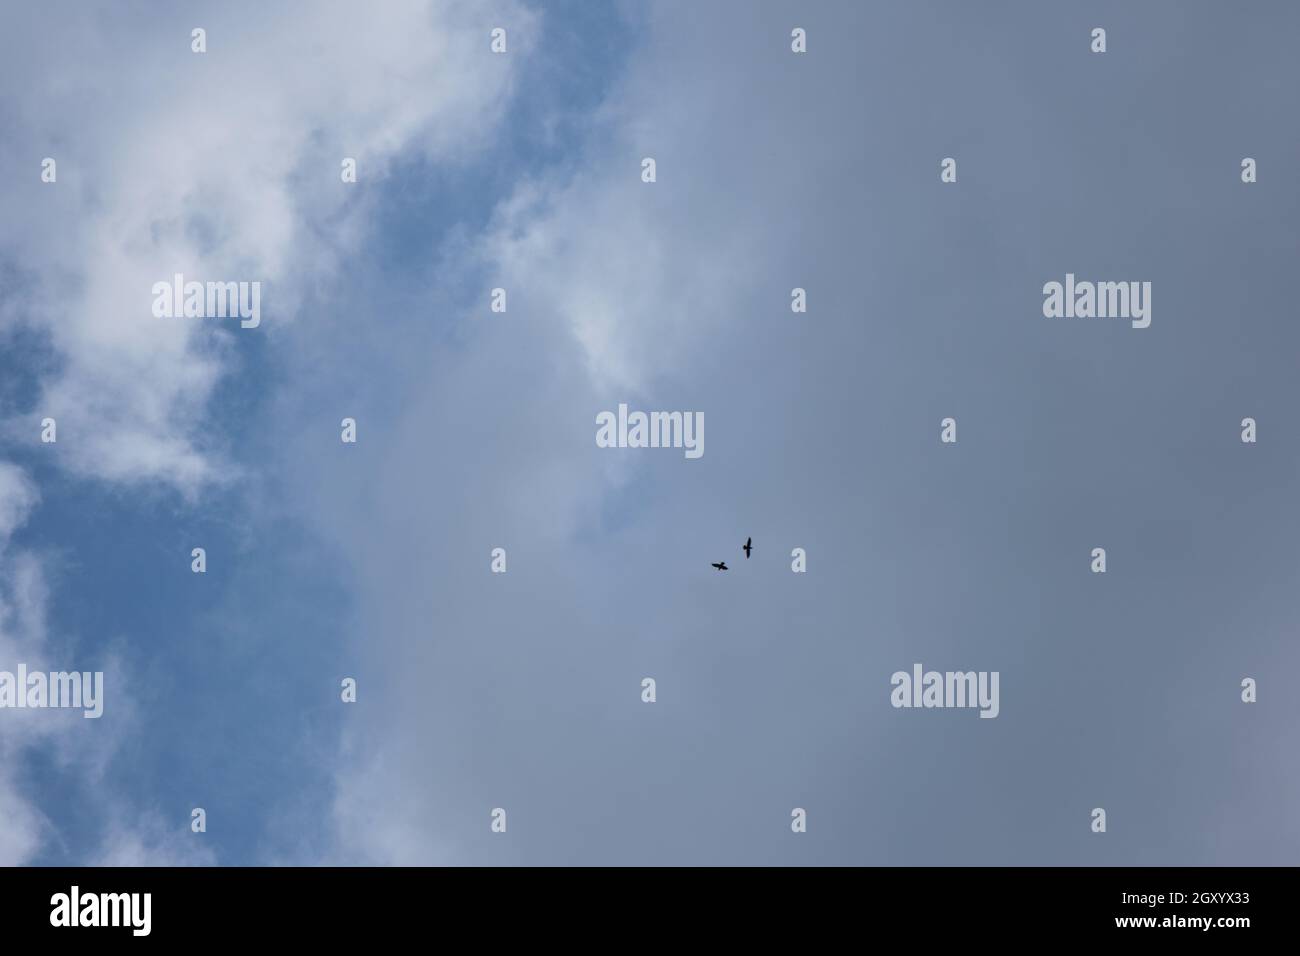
(475, 430)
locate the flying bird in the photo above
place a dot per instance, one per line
(749, 546)
(721, 565)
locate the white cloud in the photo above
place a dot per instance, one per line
(21, 640)
(151, 841)
(220, 166)
(18, 495)
(64, 735)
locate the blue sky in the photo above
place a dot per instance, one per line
(476, 431)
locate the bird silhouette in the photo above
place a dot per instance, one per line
(749, 546)
(721, 565)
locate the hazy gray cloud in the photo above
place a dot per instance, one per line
(522, 690)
